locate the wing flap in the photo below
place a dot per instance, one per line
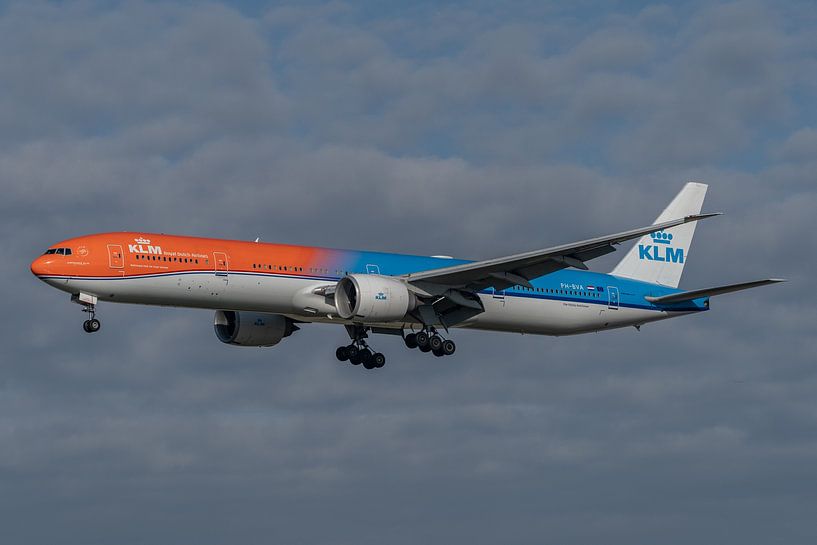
(708, 292)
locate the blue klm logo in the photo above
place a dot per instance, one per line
(653, 252)
(380, 296)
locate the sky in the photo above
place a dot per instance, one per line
(468, 129)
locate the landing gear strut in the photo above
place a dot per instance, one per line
(88, 302)
(358, 352)
(429, 340)
(91, 325)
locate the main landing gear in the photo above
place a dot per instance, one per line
(358, 352)
(428, 340)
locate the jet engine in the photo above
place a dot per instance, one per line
(373, 298)
(252, 328)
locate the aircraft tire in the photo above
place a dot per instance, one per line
(422, 340)
(354, 354)
(438, 352)
(379, 360)
(367, 358)
(410, 340)
(425, 348)
(449, 347)
(436, 342)
(86, 326)
(342, 353)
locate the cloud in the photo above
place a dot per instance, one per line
(466, 130)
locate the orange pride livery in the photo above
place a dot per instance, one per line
(262, 293)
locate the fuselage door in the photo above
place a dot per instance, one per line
(222, 265)
(612, 297)
(498, 296)
(115, 258)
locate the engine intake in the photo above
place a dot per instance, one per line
(252, 328)
(373, 298)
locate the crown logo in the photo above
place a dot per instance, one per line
(660, 237)
(141, 240)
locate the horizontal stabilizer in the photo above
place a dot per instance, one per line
(708, 292)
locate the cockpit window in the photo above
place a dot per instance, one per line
(58, 251)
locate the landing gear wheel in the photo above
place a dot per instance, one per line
(422, 340)
(425, 348)
(358, 351)
(410, 340)
(449, 347)
(354, 355)
(379, 360)
(436, 343)
(366, 358)
(91, 326)
(438, 352)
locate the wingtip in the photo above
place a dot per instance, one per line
(697, 217)
(776, 280)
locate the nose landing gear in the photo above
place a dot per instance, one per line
(88, 302)
(91, 325)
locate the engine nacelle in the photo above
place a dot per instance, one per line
(373, 298)
(252, 328)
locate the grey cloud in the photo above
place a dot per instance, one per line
(801, 145)
(468, 131)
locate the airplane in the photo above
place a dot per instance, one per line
(261, 292)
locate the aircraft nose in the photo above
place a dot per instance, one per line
(41, 266)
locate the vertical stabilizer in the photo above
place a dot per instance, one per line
(659, 258)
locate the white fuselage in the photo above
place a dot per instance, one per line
(511, 311)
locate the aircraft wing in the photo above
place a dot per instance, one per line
(708, 292)
(519, 269)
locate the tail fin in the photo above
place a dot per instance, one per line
(659, 257)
